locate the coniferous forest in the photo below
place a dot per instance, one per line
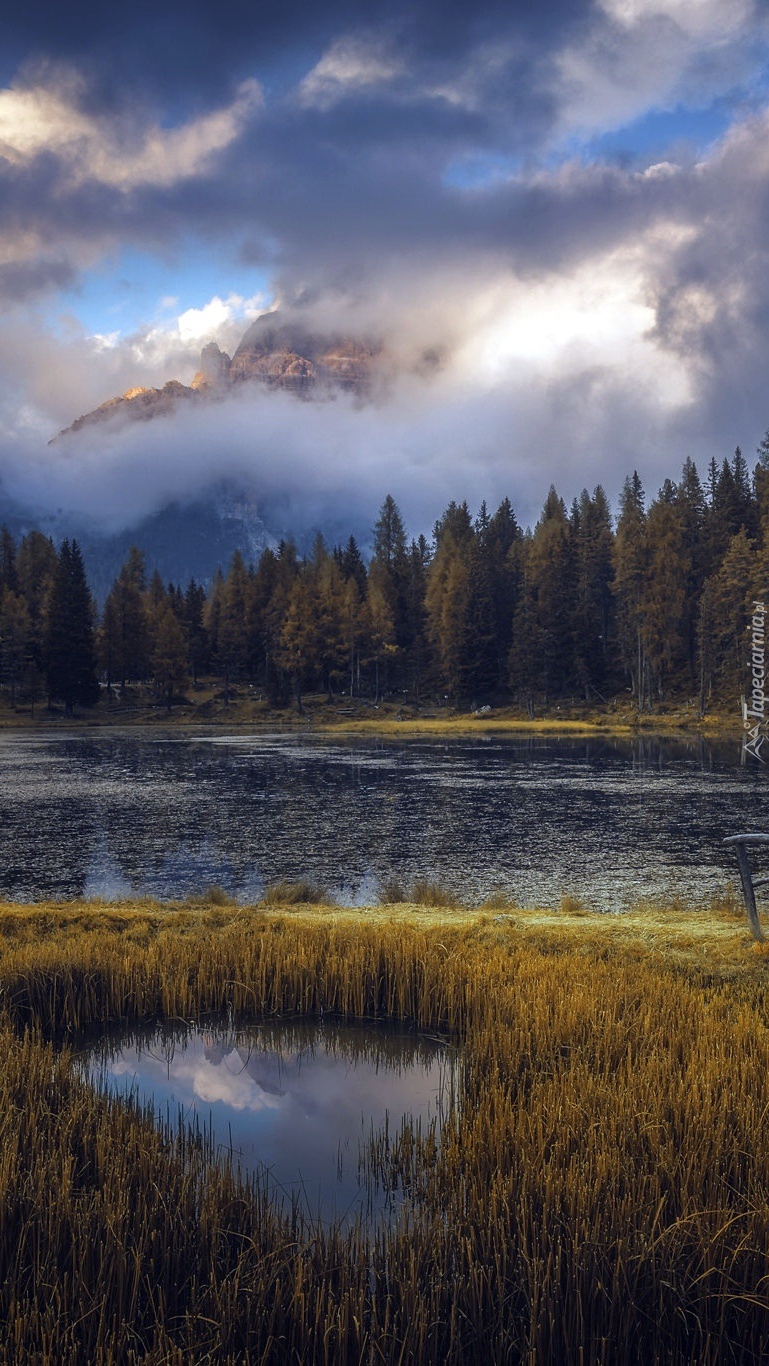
(652, 603)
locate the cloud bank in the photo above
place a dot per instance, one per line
(512, 191)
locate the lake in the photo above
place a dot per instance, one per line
(111, 814)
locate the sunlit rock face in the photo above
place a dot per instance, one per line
(273, 353)
(214, 372)
(139, 403)
(287, 357)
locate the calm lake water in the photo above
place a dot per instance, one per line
(293, 1105)
(111, 814)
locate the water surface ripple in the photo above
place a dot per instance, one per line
(122, 813)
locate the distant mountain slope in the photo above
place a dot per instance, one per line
(181, 541)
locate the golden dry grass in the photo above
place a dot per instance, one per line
(600, 1195)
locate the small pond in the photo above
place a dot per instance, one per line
(299, 1107)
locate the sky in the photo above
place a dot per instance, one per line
(566, 203)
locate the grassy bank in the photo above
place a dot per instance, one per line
(206, 705)
(602, 1193)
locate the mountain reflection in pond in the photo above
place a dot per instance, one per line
(293, 1105)
(124, 813)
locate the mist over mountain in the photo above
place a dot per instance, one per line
(215, 511)
(207, 517)
(183, 541)
(275, 353)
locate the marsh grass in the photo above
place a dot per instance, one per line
(392, 892)
(572, 905)
(422, 892)
(425, 892)
(600, 1193)
(299, 893)
(498, 899)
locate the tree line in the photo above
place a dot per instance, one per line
(654, 602)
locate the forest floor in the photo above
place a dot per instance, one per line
(206, 705)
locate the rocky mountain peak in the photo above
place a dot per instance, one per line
(274, 352)
(214, 372)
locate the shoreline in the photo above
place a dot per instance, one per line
(390, 719)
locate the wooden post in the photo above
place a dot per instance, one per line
(746, 878)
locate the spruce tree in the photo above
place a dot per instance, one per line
(389, 578)
(631, 562)
(664, 594)
(70, 653)
(592, 534)
(194, 630)
(501, 541)
(124, 642)
(8, 574)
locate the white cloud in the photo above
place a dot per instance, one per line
(653, 55)
(200, 325)
(702, 19)
(557, 365)
(48, 119)
(349, 66)
(178, 341)
(564, 325)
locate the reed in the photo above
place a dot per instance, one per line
(299, 893)
(600, 1193)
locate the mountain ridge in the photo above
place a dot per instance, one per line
(274, 352)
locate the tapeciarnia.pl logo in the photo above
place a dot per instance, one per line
(754, 709)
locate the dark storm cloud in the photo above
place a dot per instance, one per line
(20, 279)
(404, 168)
(712, 288)
(332, 173)
(308, 197)
(204, 46)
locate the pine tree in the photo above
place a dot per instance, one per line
(232, 638)
(390, 537)
(36, 566)
(416, 646)
(70, 653)
(380, 618)
(354, 615)
(502, 537)
(690, 500)
(525, 659)
(194, 629)
(544, 628)
(8, 573)
(631, 559)
(593, 620)
(331, 619)
(448, 607)
(272, 588)
(14, 641)
(389, 569)
(664, 593)
(298, 648)
(731, 590)
(351, 564)
(707, 638)
(124, 639)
